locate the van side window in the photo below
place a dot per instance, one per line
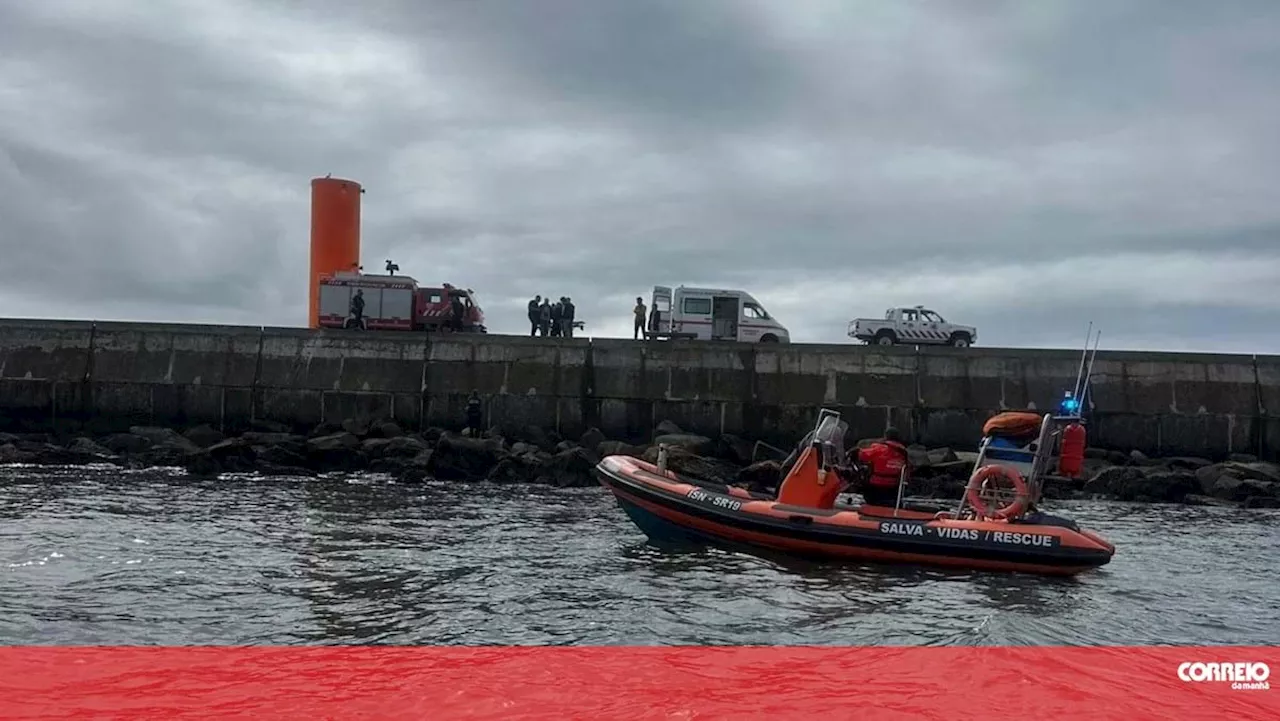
(697, 306)
(751, 311)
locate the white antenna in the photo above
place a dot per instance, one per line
(1084, 352)
(1088, 377)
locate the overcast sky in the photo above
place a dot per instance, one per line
(1022, 166)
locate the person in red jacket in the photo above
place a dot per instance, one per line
(886, 460)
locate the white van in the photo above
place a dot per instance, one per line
(712, 314)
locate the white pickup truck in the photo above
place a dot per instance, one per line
(912, 326)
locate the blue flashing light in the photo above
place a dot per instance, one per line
(1070, 406)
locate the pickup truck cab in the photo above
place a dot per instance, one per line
(912, 326)
(712, 314)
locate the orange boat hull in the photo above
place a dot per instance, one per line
(665, 505)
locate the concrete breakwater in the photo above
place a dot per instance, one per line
(103, 377)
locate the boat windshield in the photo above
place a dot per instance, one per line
(830, 435)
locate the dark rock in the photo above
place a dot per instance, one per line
(536, 436)
(918, 455)
(1254, 471)
(405, 447)
(520, 448)
(456, 458)
(1262, 502)
(1138, 458)
(1233, 488)
(516, 469)
(385, 429)
(938, 486)
(1117, 458)
(289, 440)
(415, 469)
(592, 438)
(1208, 476)
(88, 448)
(7, 439)
(335, 451)
(939, 456)
(618, 448)
(204, 435)
(760, 477)
(125, 443)
(372, 447)
(735, 450)
(1112, 481)
(1242, 458)
(1130, 483)
(265, 426)
(1099, 454)
(697, 445)
(961, 469)
(570, 468)
(565, 446)
(1187, 463)
(358, 427)
(9, 453)
(1171, 487)
(278, 455)
(432, 434)
(326, 429)
(667, 428)
(688, 464)
(236, 452)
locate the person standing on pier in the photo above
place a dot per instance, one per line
(533, 315)
(640, 313)
(568, 317)
(544, 317)
(357, 309)
(557, 318)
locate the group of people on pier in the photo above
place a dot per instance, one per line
(552, 320)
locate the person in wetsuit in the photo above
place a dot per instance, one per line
(474, 414)
(886, 459)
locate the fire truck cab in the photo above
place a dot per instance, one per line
(395, 302)
(712, 314)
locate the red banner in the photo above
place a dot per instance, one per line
(650, 682)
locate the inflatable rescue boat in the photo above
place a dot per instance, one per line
(995, 526)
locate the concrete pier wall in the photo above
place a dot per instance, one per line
(104, 376)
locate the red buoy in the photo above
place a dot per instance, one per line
(1071, 459)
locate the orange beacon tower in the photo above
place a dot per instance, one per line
(335, 233)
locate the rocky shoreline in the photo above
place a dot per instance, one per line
(532, 455)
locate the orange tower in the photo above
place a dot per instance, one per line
(335, 233)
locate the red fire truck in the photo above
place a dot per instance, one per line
(395, 302)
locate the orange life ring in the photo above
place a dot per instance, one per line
(973, 494)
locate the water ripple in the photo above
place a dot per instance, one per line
(103, 556)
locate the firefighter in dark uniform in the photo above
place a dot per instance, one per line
(534, 313)
(357, 310)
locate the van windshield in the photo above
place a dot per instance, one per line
(753, 311)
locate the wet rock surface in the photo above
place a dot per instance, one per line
(535, 455)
